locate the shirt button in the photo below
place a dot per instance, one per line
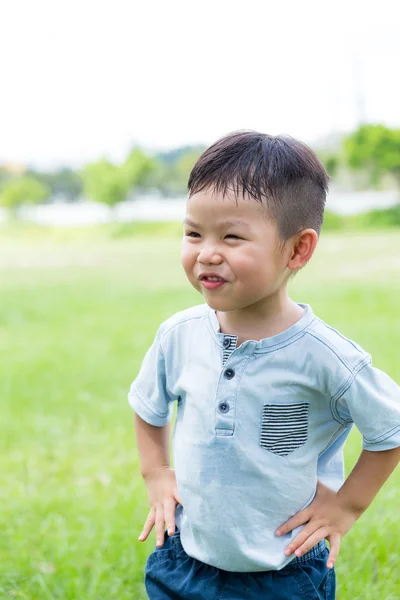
(227, 342)
(224, 407)
(229, 373)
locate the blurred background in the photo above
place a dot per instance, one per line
(104, 109)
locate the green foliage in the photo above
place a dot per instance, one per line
(378, 218)
(137, 168)
(169, 173)
(110, 184)
(182, 169)
(173, 168)
(376, 147)
(65, 182)
(161, 178)
(185, 164)
(332, 164)
(22, 190)
(171, 157)
(372, 219)
(331, 161)
(105, 182)
(333, 221)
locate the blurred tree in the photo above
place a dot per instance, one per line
(172, 170)
(376, 147)
(332, 165)
(170, 157)
(161, 177)
(137, 168)
(64, 182)
(185, 164)
(173, 178)
(22, 190)
(330, 160)
(110, 184)
(105, 182)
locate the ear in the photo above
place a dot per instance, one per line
(305, 243)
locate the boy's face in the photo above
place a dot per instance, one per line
(236, 242)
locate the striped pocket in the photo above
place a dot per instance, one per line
(284, 427)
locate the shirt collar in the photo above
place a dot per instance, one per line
(271, 343)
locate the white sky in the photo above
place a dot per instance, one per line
(82, 79)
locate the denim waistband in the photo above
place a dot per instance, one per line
(315, 551)
(175, 540)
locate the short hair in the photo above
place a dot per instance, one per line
(280, 172)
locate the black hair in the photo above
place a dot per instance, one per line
(280, 172)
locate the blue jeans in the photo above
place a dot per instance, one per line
(171, 574)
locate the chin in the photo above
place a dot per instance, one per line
(219, 304)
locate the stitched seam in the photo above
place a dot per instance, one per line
(315, 553)
(153, 559)
(164, 333)
(328, 578)
(300, 583)
(288, 341)
(155, 412)
(346, 384)
(384, 436)
(331, 347)
(339, 334)
(343, 389)
(282, 345)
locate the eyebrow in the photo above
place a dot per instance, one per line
(231, 223)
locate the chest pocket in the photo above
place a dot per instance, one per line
(284, 427)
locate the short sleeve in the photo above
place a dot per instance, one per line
(148, 394)
(372, 403)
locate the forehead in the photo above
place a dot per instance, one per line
(227, 210)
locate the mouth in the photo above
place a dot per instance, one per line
(211, 282)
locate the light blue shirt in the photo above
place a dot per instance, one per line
(256, 426)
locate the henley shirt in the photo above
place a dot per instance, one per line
(256, 427)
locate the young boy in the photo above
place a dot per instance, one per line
(267, 394)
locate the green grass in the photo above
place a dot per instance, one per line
(78, 310)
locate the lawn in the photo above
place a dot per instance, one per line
(78, 311)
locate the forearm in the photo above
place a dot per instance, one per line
(153, 445)
(367, 478)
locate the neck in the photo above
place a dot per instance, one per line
(264, 319)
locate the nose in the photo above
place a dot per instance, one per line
(209, 255)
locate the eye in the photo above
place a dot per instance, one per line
(235, 237)
(192, 234)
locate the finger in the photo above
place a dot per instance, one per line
(160, 521)
(302, 517)
(177, 497)
(169, 514)
(317, 536)
(334, 545)
(301, 538)
(148, 526)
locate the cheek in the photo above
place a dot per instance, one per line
(256, 267)
(248, 263)
(188, 257)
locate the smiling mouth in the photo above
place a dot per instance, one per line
(212, 279)
(212, 283)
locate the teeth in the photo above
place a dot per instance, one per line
(213, 278)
